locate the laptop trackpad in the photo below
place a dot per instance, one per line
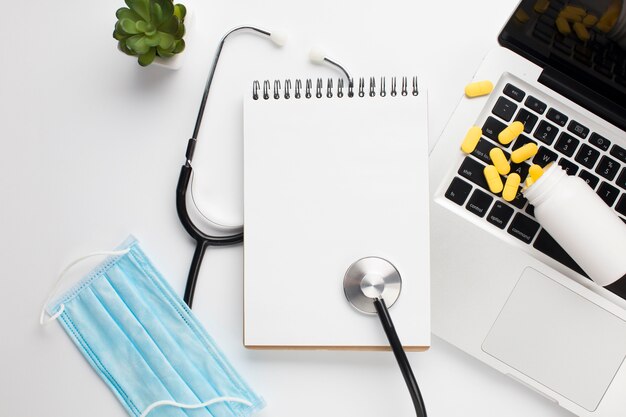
(559, 339)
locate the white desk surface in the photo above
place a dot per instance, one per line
(90, 150)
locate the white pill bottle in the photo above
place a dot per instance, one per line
(579, 220)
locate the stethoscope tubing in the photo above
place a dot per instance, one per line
(401, 358)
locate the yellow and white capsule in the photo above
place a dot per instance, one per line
(510, 133)
(511, 186)
(535, 172)
(478, 88)
(541, 6)
(493, 179)
(581, 31)
(471, 139)
(563, 26)
(523, 153)
(499, 161)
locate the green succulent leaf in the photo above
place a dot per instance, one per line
(126, 13)
(118, 33)
(153, 40)
(164, 53)
(180, 11)
(137, 43)
(147, 58)
(166, 8)
(170, 26)
(141, 7)
(141, 26)
(128, 26)
(180, 46)
(121, 45)
(166, 41)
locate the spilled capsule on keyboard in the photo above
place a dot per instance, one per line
(563, 26)
(511, 186)
(478, 88)
(494, 181)
(471, 139)
(581, 31)
(574, 10)
(535, 172)
(541, 6)
(523, 153)
(529, 182)
(590, 20)
(511, 132)
(499, 161)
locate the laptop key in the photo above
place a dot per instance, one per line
(514, 92)
(566, 144)
(578, 129)
(619, 152)
(587, 156)
(521, 169)
(544, 156)
(479, 203)
(557, 117)
(483, 148)
(621, 205)
(548, 246)
(473, 171)
(519, 201)
(535, 105)
(492, 128)
(599, 141)
(589, 178)
(523, 227)
(621, 180)
(546, 132)
(458, 191)
(607, 168)
(500, 214)
(608, 193)
(504, 109)
(527, 118)
(568, 166)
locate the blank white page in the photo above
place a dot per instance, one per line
(328, 181)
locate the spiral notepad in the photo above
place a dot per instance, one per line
(334, 171)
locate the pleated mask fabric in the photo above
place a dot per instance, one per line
(145, 343)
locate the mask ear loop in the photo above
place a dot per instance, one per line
(193, 406)
(62, 275)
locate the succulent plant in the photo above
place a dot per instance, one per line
(150, 28)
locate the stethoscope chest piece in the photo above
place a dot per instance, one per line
(370, 278)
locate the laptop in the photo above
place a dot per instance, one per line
(503, 290)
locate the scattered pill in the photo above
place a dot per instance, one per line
(529, 182)
(563, 26)
(542, 6)
(521, 15)
(590, 20)
(535, 172)
(511, 132)
(525, 152)
(581, 31)
(570, 17)
(478, 88)
(471, 139)
(494, 181)
(499, 161)
(511, 186)
(607, 21)
(574, 10)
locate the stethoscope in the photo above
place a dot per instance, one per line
(370, 284)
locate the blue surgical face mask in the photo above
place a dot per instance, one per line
(147, 346)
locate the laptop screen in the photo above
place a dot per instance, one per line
(582, 44)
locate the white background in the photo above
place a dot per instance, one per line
(90, 150)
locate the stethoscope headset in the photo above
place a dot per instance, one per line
(369, 283)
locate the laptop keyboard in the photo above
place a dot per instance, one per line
(561, 139)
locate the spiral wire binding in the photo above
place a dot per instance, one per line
(283, 90)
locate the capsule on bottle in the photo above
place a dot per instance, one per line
(478, 88)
